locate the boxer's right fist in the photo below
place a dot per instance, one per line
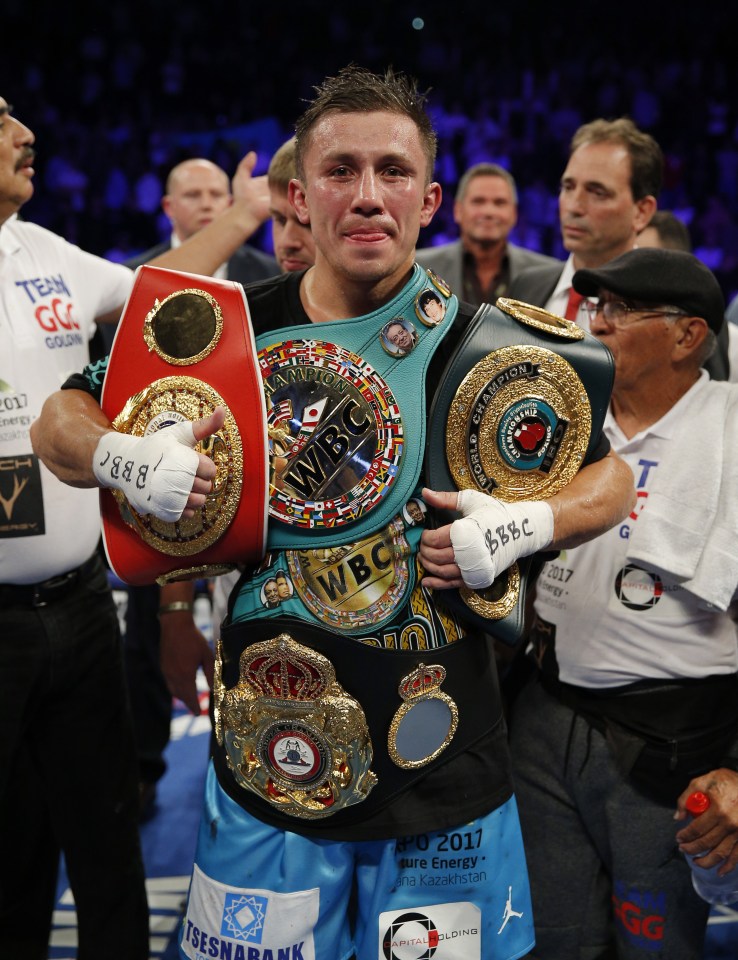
(156, 473)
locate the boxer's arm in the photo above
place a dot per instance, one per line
(160, 474)
(66, 434)
(599, 496)
(470, 551)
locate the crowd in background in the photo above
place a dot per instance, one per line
(115, 105)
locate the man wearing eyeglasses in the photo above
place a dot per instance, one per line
(634, 703)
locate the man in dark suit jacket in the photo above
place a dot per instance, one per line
(607, 197)
(197, 190)
(481, 264)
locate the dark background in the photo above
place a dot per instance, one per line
(118, 93)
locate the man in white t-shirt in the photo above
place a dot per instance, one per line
(634, 702)
(67, 765)
(68, 778)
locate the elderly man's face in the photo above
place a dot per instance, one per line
(641, 341)
(399, 336)
(16, 163)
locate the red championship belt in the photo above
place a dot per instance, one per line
(184, 346)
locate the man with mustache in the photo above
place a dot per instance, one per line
(68, 777)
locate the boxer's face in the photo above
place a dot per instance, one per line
(365, 194)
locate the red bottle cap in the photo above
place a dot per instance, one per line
(697, 803)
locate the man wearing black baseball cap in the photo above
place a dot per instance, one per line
(634, 704)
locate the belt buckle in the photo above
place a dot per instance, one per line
(53, 583)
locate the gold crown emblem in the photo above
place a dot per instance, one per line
(286, 670)
(422, 680)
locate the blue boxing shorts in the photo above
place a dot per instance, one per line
(262, 893)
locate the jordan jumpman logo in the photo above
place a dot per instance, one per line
(509, 912)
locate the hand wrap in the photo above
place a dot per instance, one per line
(155, 473)
(493, 534)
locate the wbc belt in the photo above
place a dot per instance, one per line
(184, 346)
(520, 407)
(346, 417)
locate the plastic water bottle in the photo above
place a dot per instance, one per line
(707, 883)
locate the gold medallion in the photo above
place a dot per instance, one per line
(291, 733)
(184, 327)
(426, 721)
(540, 319)
(519, 424)
(439, 283)
(398, 337)
(356, 585)
(162, 404)
(429, 308)
(498, 600)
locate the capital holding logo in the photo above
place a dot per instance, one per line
(412, 936)
(446, 931)
(638, 589)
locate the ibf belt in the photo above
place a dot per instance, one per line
(346, 416)
(184, 346)
(520, 408)
(310, 724)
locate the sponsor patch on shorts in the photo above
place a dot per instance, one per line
(248, 924)
(443, 931)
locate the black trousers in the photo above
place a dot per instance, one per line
(68, 777)
(151, 701)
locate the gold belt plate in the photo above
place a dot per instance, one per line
(165, 402)
(291, 733)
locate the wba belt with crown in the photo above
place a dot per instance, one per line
(311, 725)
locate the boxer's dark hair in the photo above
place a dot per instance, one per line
(357, 90)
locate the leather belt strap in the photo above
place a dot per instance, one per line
(46, 591)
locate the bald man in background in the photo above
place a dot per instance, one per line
(197, 191)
